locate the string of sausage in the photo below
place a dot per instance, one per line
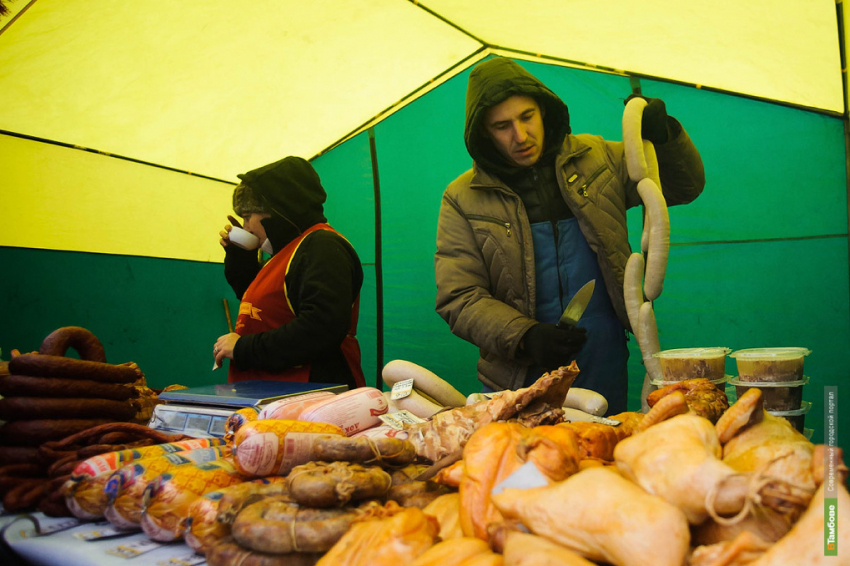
(645, 275)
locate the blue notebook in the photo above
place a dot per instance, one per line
(246, 393)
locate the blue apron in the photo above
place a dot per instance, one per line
(563, 263)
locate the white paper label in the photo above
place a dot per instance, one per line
(134, 549)
(98, 534)
(401, 389)
(398, 419)
(526, 477)
(50, 525)
(187, 560)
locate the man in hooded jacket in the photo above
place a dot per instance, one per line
(298, 316)
(541, 213)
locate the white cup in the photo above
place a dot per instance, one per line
(244, 239)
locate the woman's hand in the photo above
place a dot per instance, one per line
(225, 234)
(224, 347)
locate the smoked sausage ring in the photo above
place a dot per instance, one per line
(83, 341)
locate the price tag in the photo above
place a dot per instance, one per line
(603, 420)
(97, 534)
(188, 560)
(401, 389)
(134, 549)
(398, 419)
(50, 525)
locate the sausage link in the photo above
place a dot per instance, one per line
(227, 552)
(59, 366)
(36, 432)
(82, 340)
(29, 386)
(267, 526)
(33, 408)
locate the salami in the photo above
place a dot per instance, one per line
(30, 408)
(28, 386)
(35, 432)
(83, 341)
(59, 366)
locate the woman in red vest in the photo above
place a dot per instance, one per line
(298, 316)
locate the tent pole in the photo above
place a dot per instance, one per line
(839, 12)
(379, 273)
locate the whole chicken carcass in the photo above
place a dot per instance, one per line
(448, 432)
(603, 517)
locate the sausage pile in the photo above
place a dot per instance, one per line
(47, 396)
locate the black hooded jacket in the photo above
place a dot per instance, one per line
(323, 281)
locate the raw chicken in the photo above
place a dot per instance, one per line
(702, 397)
(603, 517)
(447, 432)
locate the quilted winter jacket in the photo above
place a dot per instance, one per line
(484, 262)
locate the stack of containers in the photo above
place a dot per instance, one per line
(692, 363)
(778, 373)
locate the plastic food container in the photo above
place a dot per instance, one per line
(797, 418)
(777, 395)
(691, 363)
(719, 383)
(770, 364)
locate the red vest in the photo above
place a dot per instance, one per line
(265, 306)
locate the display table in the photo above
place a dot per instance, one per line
(47, 541)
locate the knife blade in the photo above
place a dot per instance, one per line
(577, 305)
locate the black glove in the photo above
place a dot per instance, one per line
(551, 346)
(654, 121)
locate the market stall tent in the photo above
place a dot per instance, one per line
(123, 129)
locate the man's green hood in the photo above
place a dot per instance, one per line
(494, 81)
(290, 189)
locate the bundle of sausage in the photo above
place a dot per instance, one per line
(39, 482)
(48, 396)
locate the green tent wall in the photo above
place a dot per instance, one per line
(760, 259)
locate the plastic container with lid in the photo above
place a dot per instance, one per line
(797, 418)
(691, 363)
(719, 383)
(777, 395)
(770, 364)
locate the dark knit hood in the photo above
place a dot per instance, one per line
(290, 189)
(494, 81)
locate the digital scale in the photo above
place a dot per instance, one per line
(203, 411)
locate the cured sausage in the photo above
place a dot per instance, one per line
(83, 341)
(18, 455)
(227, 553)
(320, 485)
(203, 525)
(28, 386)
(35, 432)
(426, 381)
(275, 525)
(59, 366)
(31, 408)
